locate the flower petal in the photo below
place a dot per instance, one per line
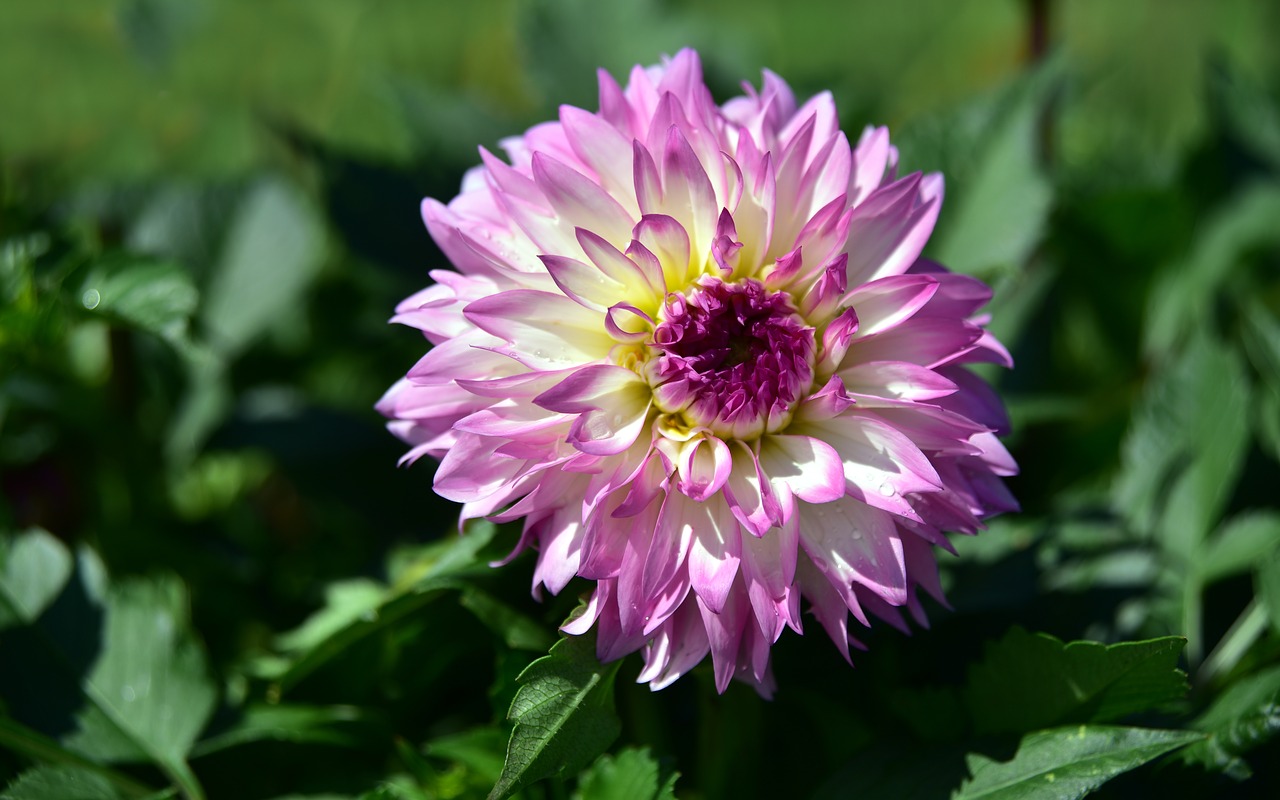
(880, 466)
(542, 328)
(806, 466)
(852, 542)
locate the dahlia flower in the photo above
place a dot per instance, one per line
(695, 348)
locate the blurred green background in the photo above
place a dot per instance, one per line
(209, 209)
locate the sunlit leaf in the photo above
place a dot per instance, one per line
(563, 715)
(60, 783)
(1067, 763)
(1243, 543)
(150, 683)
(345, 602)
(154, 296)
(34, 566)
(274, 249)
(1124, 568)
(119, 665)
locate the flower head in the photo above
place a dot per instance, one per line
(696, 349)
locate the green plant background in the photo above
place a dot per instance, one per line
(214, 581)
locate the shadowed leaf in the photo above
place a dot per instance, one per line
(563, 715)
(1028, 681)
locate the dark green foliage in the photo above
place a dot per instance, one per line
(563, 715)
(1031, 681)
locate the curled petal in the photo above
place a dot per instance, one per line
(612, 404)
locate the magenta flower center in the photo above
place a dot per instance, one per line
(733, 357)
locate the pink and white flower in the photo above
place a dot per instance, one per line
(696, 349)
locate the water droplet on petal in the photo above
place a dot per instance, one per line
(887, 489)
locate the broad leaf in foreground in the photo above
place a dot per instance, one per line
(111, 672)
(1067, 763)
(563, 715)
(61, 782)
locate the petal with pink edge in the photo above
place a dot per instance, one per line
(852, 542)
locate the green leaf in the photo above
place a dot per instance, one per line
(34, 567)
(518, 631)
(117, 669)
(1262, 340)
(1000, 217)
(206, 402)
(345, 602)
(1181, 303)
(1027, 681)
(53, 759)
(1243, 543)
(399, 787)
(1067, 763)
(1249, 111)
(274, 250)
(1268, 416)
(1244, 716)
(1180, 462)
(1262, 343)
(150, 683)
(632, 774)
(454, 556)
(1185, 447)
(286, 723)
(479, 749)
(154, 296)
(563, 715)
(1267, 582)
(60, 783)
(357, 613)
(1124, 568)
(623, 33)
